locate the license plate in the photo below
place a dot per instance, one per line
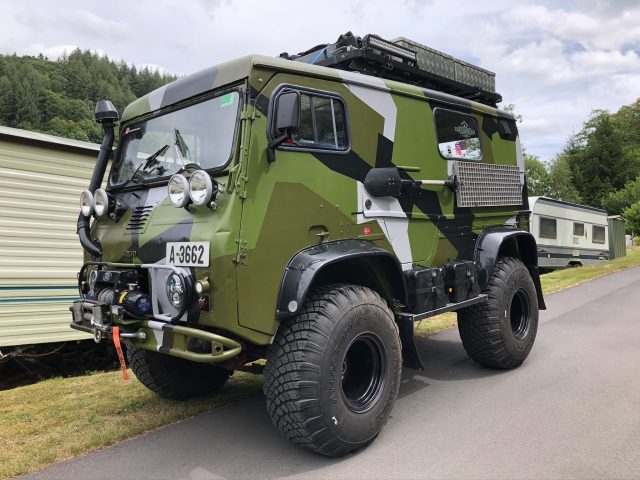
(188, 254)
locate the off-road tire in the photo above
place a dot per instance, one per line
(312, 399)
(175, 378)
(500, 332)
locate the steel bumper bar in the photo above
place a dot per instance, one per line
(168, 338)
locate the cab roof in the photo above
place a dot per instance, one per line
(236, 70)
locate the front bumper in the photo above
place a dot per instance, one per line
(97, 319)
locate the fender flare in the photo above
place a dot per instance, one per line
(308, 264)
(507, 241)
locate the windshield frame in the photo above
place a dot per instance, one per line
(128, 185)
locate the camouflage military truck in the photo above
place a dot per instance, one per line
(306, 211)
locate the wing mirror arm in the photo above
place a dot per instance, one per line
(273, 144)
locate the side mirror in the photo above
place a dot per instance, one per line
(288, 112)
(287, 121)
(387, 182)
(383, 182)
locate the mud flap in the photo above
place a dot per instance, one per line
(410, 356)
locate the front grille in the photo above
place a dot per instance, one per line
(139, 217)
(487, 185)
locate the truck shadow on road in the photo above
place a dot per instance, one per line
(444, 359)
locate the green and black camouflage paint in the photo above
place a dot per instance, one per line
(269, 212)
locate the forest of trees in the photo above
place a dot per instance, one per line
(59, 97)
(599, 166)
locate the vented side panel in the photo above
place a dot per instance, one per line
(487, 185)
(139, 217)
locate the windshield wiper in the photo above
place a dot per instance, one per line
(183, 148)
(153, 158)
(150, 161)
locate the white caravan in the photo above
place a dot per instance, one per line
(568, 234)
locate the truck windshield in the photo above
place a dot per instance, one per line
(200, 134)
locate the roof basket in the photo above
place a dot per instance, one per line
(406, 61)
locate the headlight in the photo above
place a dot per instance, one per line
(200, 187)
(101, 200)
(86, 203)
(178, 190)
(175, 290)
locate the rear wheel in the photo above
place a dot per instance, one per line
(500, 332)
(175, 378)
(333, 371)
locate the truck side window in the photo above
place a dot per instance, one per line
(598, 234)
(578, 229)
(548, 228)
(322, 123)
(458, 135)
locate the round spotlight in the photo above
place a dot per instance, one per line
(101, 200)
(178, 190)
(200, 187)
(175, 290)
(86, 203)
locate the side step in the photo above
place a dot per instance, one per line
(410, 355)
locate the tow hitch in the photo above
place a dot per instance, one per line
(98, 316)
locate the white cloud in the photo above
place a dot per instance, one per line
(603, 31)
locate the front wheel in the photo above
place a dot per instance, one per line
(333, 371)
(500, 332)
(175, 378)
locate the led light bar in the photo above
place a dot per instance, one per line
(378, 43)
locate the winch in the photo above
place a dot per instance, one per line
(117, 287)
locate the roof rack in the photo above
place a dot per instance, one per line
(406, 61)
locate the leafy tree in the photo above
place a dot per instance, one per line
(598, 160)
(632, 217)
(538, 178)
(561, 179)
(58, 97)
(617, 202)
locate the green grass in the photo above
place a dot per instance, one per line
(561, 279)
(58, 419)
(61, 418)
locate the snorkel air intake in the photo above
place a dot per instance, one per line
(106, 114)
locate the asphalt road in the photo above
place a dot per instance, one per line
(571, 411)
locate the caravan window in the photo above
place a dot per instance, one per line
(598, 234)
(578, 229)
(548, 228)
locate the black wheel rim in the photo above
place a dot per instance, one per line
(363, 372)
(520, 314)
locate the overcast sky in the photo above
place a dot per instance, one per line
(555, 60)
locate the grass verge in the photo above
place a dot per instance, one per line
(570, 277)
(61, 418)
(58, 419)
